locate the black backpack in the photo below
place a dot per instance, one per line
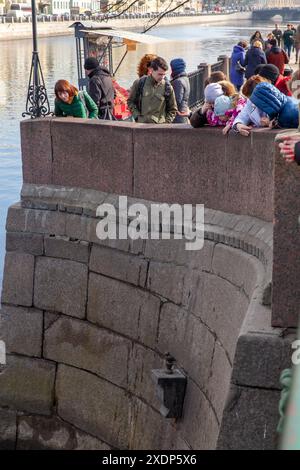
(139, 96)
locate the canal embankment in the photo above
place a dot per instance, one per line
(13, 31)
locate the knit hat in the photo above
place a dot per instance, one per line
(212, 91)
(268, 71)
(222, 104)
(91, 63)
(178, 66)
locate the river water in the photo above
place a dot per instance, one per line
(195, 43)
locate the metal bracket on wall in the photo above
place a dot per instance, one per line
(170, 388)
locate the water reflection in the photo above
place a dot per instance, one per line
(196, 43)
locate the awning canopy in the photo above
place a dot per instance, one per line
(131, 36)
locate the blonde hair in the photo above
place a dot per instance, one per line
(228, 88)
(257, 44)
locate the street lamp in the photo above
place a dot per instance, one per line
(37, 103)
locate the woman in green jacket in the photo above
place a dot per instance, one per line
(71, 102)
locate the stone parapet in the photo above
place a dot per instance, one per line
(231, 174)
(286, 268)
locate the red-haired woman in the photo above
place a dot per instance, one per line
(144, 65)
(71, 102)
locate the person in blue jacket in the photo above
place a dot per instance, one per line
(254, 57)
(237, 71)
(281, 109)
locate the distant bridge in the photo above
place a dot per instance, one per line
(288, 14)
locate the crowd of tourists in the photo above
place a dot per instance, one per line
(257, 93)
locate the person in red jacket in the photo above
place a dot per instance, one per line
(271, 73)
(277, 56)
(290, 148)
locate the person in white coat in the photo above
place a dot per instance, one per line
(250, 116)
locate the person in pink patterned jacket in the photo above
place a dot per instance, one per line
(226, 107)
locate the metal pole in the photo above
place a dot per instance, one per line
(37, 103)
(35, 58)
(34, 29)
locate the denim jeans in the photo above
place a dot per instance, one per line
(288, 49)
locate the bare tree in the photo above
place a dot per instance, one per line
(123, 6)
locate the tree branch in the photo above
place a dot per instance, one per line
(163, 14)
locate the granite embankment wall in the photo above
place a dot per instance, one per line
(9, 31)
(85, 321)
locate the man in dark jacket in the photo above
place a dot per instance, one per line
(101, 87)
(278, 35)
(277, 56)
(288, 40)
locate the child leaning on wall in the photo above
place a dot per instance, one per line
(226, 107)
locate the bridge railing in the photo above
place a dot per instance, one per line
(198, 77)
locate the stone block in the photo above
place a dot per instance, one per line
(167, 280)
(80, 344)
(188, 340)
(122, 266)
(27, 385)
(8, 429)
(140, 382)
(81, 227)
(15, 219)
(61, 286)
(130, 246)
(144, 421)
(31, 243)
(43, 433)
(98, 163)
(17, 286)
(63, 194)
(50, 318)
(197, 409)
(36, 144)
(21, 329)
(35, 221)
(173, 251)
(250, 420)
(65, 248)
(237, 267)
(123, 308)
(260, 359)
(241, 169)
(217, 387)
(222, 307)
(93, 405)
(286, 266)
(38, 204)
